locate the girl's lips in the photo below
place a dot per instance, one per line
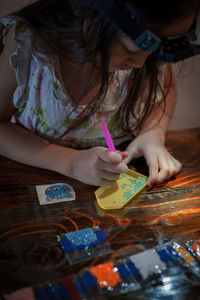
(122, 67)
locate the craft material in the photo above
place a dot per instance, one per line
(118, 194)
(107, 137)
(147, 273)
(184, 254)
(194, 248)
(129, 274)
(188, 257)
(148, 263)
(170, 257)
(55, 193)
(106, 275)
(84, 244)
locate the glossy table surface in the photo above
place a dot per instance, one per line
(29, 252)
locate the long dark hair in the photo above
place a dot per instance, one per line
(83, 33)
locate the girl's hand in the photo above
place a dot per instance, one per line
(98, 166)
(150, 144)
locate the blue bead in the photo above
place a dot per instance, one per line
(123, 271)
(100, 236)
(82, 238)
(89, 280)
(66, 245)
(174, 255)
(134, 271)
(133, 268)
(41, 294)
(79, 286)
(58, 292)
(164, 255)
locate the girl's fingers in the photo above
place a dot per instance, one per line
(164, 168)
(108, 156)
(159, 169)
(114, 168)
(152, 162)
(175, 166)
(167, 166)
(124, 155)
(109, 176)
(112, 161)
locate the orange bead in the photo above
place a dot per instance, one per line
(105, 275)
(185, 255)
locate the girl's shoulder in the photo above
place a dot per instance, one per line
(24, 32)
(27, 38)
(22, 28)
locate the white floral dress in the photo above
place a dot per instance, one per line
(41, 102)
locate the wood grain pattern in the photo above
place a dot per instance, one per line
(29, 253)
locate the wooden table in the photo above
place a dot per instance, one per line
(29, 253)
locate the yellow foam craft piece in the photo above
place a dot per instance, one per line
(118, 194)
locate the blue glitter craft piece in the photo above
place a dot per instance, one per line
(81, 239)
(84, 244)
(57, 191)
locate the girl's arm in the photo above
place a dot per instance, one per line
(151, 139)
(94, 166)
(16, 142)
(157, 118)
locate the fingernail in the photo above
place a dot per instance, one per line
(151, 183)
(124, 154)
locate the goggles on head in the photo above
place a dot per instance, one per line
(171, 49)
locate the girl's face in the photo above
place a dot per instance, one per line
(125, 55)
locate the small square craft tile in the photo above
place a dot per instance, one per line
(106, 275)
(118, 194)
(55, 193)
(84, 244)
(148, 263)
(79, 239)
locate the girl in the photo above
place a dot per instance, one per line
(68, 65)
